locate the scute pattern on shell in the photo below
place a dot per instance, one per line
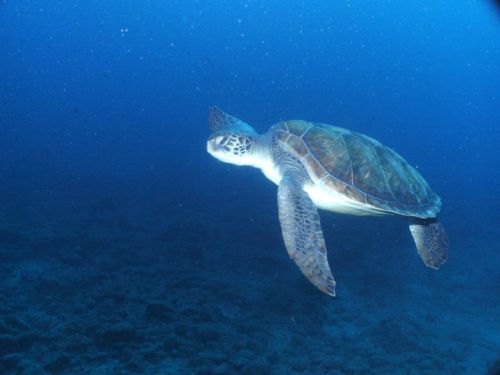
(359, 167)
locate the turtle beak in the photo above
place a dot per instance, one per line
(211, 146)
(214, 144)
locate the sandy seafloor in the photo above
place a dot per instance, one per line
(104, 288)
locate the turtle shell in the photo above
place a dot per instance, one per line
(359, 167)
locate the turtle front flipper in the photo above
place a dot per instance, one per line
(431, 241)
(302, 233)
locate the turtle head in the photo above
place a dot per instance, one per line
(231, 147)
(232, 140)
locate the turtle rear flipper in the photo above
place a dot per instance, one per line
(431, 241)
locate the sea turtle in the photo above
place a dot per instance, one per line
(335, 169)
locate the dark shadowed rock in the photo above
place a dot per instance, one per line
(17, 344)
(159, 312)
(117, 337)
(58, 366)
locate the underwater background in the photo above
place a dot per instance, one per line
(126, 249)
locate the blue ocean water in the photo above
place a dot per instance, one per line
(126, 249)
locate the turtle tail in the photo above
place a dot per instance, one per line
(431, 241)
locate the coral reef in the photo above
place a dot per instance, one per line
(193, 293)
